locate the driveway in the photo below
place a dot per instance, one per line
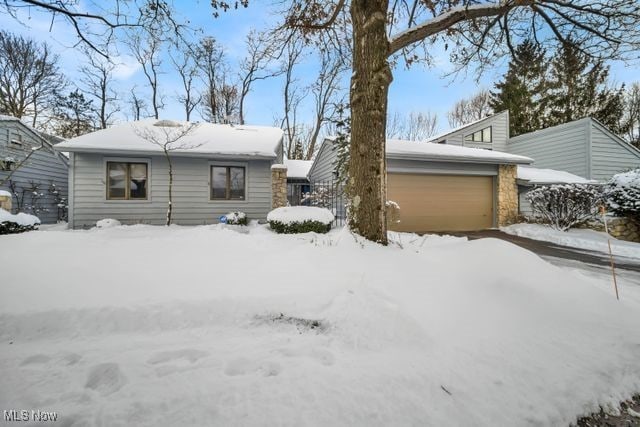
(551, 251)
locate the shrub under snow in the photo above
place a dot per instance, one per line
(300, 219)
(622, 194)
(565, 205)
(19, 223)
(236, 218)
(108, 223)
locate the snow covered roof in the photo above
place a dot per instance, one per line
(411, 150)
(298, 168)
(203, 139)
(549, 176)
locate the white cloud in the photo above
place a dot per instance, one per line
(126, 67)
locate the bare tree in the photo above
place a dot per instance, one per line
(97, 79)
(257, 65)
(414, 127)
(146, 47)
(185, 61)
(632, 114)
(138, 105)
(469, 110)
(30, 80)
(292, 97)
(212, 65)
(168, 135)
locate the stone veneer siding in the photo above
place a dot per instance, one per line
(624, 229)
(507, 195)
(5, 203)
(278, 186)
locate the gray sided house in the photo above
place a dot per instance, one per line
(121, 173)
(583, 147)
(490, 133)
(38, 186)
(440, 186)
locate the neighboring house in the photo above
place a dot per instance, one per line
(442, 187)
(297, 180)
(38, 186)
(530, 177)
(117, 173)
(490, 133)
(583, 147)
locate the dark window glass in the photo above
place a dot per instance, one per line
(218, 182)
(227, 183)
(126, 181)
(137, 180)
(236, 183)
(117, 185)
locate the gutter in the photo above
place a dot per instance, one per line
(426, 157)
(160, 153)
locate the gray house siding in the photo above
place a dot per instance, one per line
(610, 154)
(191, 204)
(562, 147)
(499, 133)
(324, 165)
(44, 168)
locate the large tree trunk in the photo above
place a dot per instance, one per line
(369, 86)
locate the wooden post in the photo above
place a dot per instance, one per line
(613, 268)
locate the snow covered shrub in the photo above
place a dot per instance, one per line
(19, 223)
(622, 194)
(236, 218)
(321, 196)
(300, 219)
(565, 205)
(108, 223)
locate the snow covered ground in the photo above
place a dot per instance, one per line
(142, 325)
(576, 238)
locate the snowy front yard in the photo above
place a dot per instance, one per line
(152, 326)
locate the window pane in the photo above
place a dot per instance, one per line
(477, 136)
(486, 134)
(138, 180)
(117, 177)
(218, 182)
(236, 183)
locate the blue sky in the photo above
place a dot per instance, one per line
(419, 88)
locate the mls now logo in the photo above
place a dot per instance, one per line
(24, 415)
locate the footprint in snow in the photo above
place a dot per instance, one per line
(36, 359)
(186, 355)
(242, 366)
(106, 378)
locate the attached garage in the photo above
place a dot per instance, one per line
(442, 202)
(450, 188)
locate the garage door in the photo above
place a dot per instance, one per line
(442, 202)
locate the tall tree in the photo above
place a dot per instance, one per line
(416, 126)
(146, 46)
(30, 80)
(74, 115)
(212, 66)
(632, 114)
(185, 61)
(522, 90)
(469, 110)
(577, 89)
(97, 79)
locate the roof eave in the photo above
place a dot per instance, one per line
(160, 153)
(452, 159)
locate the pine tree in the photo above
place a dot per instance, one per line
(577, 89)
(74, 115)
(522, 90)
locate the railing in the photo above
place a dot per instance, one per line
(323, 194)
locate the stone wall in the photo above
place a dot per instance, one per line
(278, 186)
(5, 203)
(507, 195)
(624, 229)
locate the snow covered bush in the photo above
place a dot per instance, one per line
(19, 223)
(622, 194)
(321, 196)
(300, 219)
(565, 205)
(236, 218)
(393, 213)
(108, 223)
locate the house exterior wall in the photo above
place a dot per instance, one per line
(524, 207)
(191, 204)
(610, 154)
(45, 167)
(499, 133)
(324, 166)
(563, 147)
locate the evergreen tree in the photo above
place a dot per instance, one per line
(577, 89)
(522, 90)
(74, 115)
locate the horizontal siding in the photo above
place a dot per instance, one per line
(524, 205)
(324, 166)
(562, 147)
(444, 168)
(191, 204)
(44, 167)
(609, 156)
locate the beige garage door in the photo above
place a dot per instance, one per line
(442, 202)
